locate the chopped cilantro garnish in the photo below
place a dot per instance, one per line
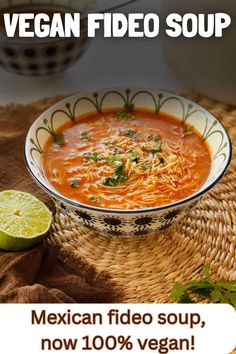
(146, 165)
(161, 159)
(114, 180)
(157, 148)
(116, 151)
(121, 178)
(118, 177)
(85, 136)
(111, 158)
(122, 114)
(59, 139)
(129, 107)
(125, 113)
(126, 116)
(134, 156)
(154, 137)
(74, 183)
(117, 163)
(118, 167)
(92, 156)
(96, 200)
(110, 181)
(130, 133)
(188, 131)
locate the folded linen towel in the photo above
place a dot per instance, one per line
(47, 274)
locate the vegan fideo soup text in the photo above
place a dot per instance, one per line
(42, 25)
(123, 160)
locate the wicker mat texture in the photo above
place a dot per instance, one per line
(143, 269)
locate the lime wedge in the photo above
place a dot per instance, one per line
(24, 220)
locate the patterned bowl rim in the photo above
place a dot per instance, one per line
(178, 203)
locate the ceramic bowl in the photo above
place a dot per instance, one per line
(133, 222)
(46, 56)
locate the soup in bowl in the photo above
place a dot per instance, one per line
(127, 161)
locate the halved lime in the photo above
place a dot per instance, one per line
(24, 220)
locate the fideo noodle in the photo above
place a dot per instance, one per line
(122, 160)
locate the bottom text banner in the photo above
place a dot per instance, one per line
(117, 328)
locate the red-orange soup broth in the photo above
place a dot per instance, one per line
(122, 160)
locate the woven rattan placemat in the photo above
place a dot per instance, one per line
(142, 269)
(145, 268)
